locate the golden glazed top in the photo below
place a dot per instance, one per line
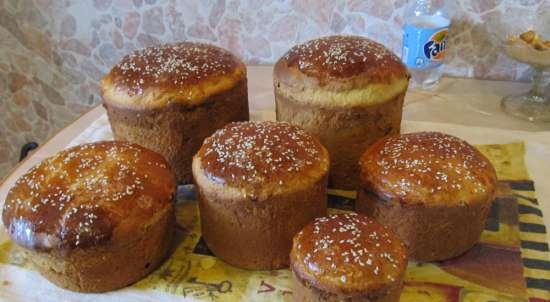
(427, 168)
(258, 155)
(343, 57)
(184, 73)
(340, 70)
(348, 253)
(88, 195)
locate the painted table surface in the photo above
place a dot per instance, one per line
(463, 107)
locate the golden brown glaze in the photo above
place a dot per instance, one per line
(427, 167)
(340, 57)
(171, 65)
(87, 195)
(185, 73)
(253, 154)
(348, 254)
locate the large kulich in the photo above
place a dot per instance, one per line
(170, 97)
(346, 90)
(347, 257)
(95, 217)
(258, 184)
(434, 190)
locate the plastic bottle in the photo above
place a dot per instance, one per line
(425, 31)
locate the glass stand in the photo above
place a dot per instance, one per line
(533, 106)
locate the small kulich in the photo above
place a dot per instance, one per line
(347, 257)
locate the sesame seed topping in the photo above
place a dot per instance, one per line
(74, 188)
(343, 56)
(171, 65)
(258, 152)
(344, 244)
(426, 163)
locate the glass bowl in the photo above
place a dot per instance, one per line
(509, 33)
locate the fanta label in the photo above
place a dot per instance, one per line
(424, 47)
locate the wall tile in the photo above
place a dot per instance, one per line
(130, 25)
(153, 21)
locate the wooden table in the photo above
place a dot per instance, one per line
(456, 101)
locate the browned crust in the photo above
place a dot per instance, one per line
(256, 234)
(334, 58)
(108, 267)
(345, 132)
(262, 155)
(169, 67)
(430, 232)
(177, 131)
(88, 195)
(371, 263)
(427, 167)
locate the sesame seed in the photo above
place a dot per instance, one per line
(337, 55)
(79, 181)
(427, 162)
(349, 242)
(256, 152)
(173, 65)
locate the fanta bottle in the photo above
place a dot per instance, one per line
(426, 27)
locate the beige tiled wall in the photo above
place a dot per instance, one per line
(53, 52)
